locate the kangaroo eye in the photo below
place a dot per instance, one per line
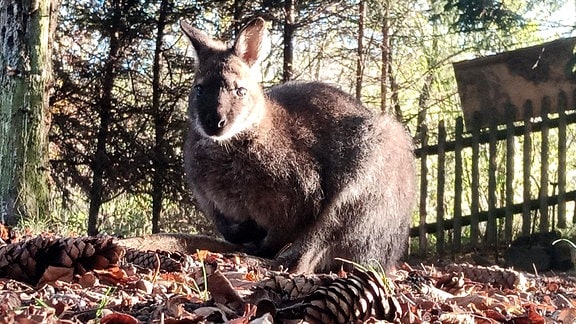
(241, 92)
(199, 90)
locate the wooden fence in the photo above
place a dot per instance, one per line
(453, 213)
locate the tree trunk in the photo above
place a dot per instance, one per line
(395, 92)
(238, 13)
(385, 58)
(289, 29)
(101, 162)
(25, 72)
(360, 49)
(158, 162)
(423, 99)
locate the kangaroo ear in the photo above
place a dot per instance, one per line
(248, 45)
(200, 41)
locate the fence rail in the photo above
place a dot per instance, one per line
(441, 207)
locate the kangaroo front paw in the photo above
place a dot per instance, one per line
(287, 259)
(302, 260)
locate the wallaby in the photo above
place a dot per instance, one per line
(302, 172)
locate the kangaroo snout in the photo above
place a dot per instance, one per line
(213, 124)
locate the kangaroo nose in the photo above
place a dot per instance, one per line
(213, 124)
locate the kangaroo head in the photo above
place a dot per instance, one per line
(226, 98)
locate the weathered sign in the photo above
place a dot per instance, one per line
(489, 84)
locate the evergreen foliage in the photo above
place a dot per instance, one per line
(123, 71)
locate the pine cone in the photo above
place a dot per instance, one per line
(506, 278)
(359, 297)
(453, 283)
(26, 261)
(290, 287)
(169, 261)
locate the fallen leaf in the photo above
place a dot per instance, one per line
(495, 315)
(222, 291)
(52, 274)
(211, 312)
(249, 312)
(264, 319)
(480, 302)
(9, 300)
(88, 280)
(113, 275)
(251, 276)
(457, 319)
(553, 286)
(533, 315)
(567, 315)
(175, 307)
(198, 319)
(4, 232)
(118, 318)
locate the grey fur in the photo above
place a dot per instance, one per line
(302, 169)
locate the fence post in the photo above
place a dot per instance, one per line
(491, 226)
(475, 201)
(526, 163)
(544, 151)
(422, 240)
(562, 105)
(440, 189)
(457, 232)
(510, 151)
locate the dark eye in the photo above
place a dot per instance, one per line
(241, 92)
(199, 90)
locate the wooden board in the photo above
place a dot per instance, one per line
(489, 84)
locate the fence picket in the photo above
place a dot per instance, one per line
(440, 188)
(458, 170)
(475, 190)
(561, 180)
(491, 228)
(526, 168)
(422, 239)
(544, 151)
(510, 152)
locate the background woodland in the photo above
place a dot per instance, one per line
(122, 72)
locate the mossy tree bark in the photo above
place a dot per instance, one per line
(25, 54)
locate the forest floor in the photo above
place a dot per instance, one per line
(48, 279)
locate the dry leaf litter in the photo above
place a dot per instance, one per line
(50, 279)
